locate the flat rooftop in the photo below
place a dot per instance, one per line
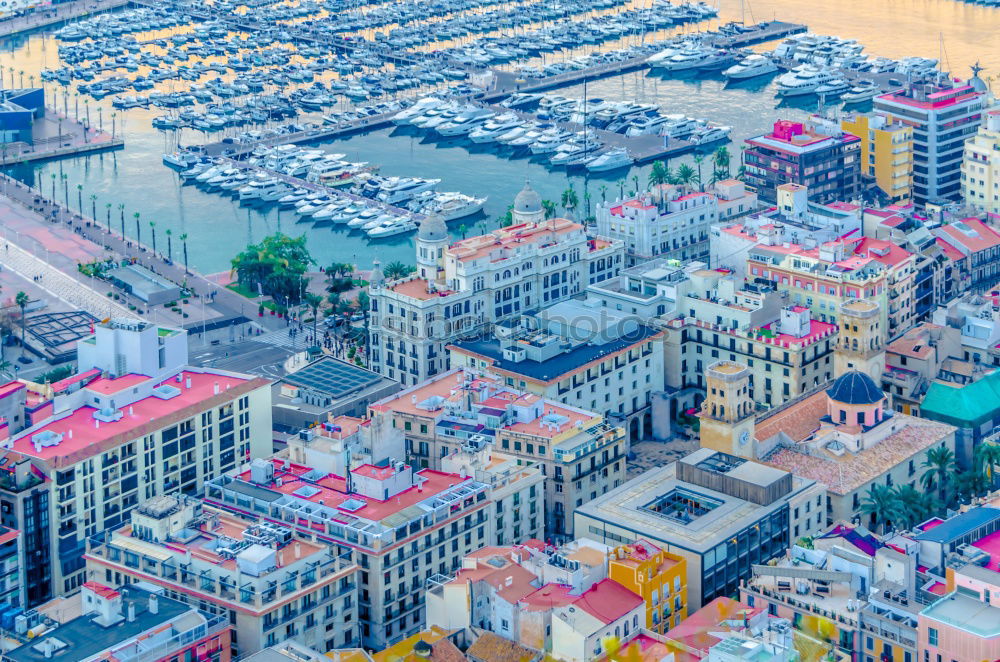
(575, 360)
(627, 507)
(333, 377)
(84, 639)
(965, 613)
(81, 437)
(331, 490)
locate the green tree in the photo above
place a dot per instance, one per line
(569, 200)
(660, 174)
(396, 270)
(939, 466)
(721, 158)
(21, 299)
(698, 160)
(275, 267)
(879, 504)
(313, 301)
(152, 227)
(987, 457)
(911, 506)
(603, 189)
(550, 209)
(184, 246)
(170, 245)
(686, 175)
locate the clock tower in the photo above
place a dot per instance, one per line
(727, 414)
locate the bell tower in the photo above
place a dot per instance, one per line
(861, 340)
(727, 414)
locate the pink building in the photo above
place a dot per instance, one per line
(959, 628)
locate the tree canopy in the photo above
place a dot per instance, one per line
(275, 267)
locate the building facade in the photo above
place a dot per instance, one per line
(886, 153)
(981, 166)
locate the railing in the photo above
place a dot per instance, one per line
(143, 649)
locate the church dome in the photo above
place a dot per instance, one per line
(528, 201)
(855, 388)
(432, 228)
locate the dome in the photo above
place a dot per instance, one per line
(528, 201)
(855, 388)
(432, 228)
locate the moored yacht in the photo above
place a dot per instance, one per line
(751, 67)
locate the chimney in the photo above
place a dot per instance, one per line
(215, 388)
(131, 612)
(187, 383)
(298, 550)
(154, 604)
(130, 410)
(71, 433)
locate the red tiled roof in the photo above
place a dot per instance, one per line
(607, 600)
(100, 589)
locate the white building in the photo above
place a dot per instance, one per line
(672, 221)
(463, 287)
(981, 166)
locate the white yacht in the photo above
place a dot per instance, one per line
(458, 206)
(802, 80)
(405, 188)
(407, 115)
(709, 134)
(265, 190)
(464, 122)
(394, 226)
(347, 213)
(678, 126)
(834, 87)
(550, 141)
(645, 126)
(751, 67)
(494, 127)
(861, 92)
(365, 217)
(617, 157)
(685, 60)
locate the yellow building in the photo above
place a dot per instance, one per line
(886, 152)
(981, 166)
(431, 644)
(656, 575)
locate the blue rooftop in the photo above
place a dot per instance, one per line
(557, 365)
(960, 525)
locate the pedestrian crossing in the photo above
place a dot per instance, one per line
(280, 338)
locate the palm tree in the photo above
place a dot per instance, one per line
(462, 230)
(604, 192)
(621, 189)
(970, 484)
(79, 198)
(939, 465)
(93, 207)
(987, 457)
(396, 270)
(911, 506)
(660, 174)
(569, 200)
(121, 210)
(138, 231)
(152, 227)
(21, 299)
(314, 301)
(550, 209)
(698, 160)
(170, 245)
(635, 180)
(184, 245)
(107, 208)
(879, 505)
(686, 175)
(721, 158)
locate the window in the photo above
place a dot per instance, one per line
(932, 636)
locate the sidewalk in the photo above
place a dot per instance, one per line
(70, 239)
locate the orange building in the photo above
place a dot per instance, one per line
(656, 575)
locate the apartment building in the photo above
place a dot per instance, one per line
(886, 153)
(786, 351)
(795, 218)
(718, 512)
(658, 576)
(981, 166)
(942, 117)
(399, 525)
(136, 424)
(580, 454)
(517, 486)
(133, 623)
(461, 288)
(959, 627)
(980, 244)
(270, 584)
(671, 221)
(580, 353)
(817, 154)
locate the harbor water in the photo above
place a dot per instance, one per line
(959, 33)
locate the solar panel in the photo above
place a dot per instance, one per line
(333, 377)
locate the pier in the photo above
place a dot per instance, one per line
(55, 136)
(55, 14)
(759, 34)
